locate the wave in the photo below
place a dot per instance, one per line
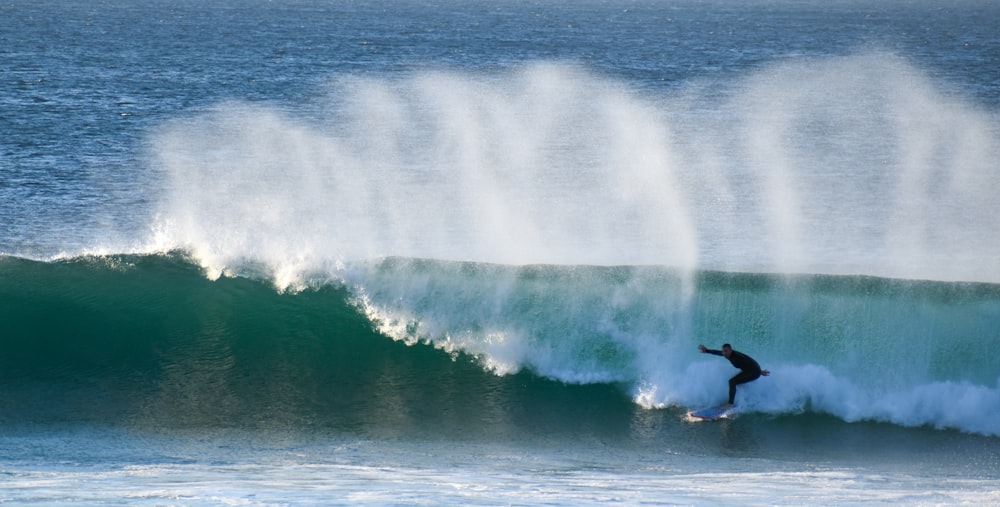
(150, 338)
(856, 347)
(443, 239)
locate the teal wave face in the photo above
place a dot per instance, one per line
(147, 335)
(407, 343)
(908, 352)
(602, 320)
(149, 341)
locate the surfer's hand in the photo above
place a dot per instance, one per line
(702, 348)
(765, 373)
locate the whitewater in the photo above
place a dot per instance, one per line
(292, 253)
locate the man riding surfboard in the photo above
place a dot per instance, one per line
(749, 369)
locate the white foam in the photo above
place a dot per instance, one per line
(438, 476)
(796, 388)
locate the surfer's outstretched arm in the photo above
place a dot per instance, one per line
(706, 350)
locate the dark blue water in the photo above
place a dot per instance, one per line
(314, 253)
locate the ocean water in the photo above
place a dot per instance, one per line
(456, 252)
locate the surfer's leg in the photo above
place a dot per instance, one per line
(740, 378)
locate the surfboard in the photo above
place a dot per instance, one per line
(710, 414)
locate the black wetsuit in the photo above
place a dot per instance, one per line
(750, 370)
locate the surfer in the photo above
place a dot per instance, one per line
(749, 369)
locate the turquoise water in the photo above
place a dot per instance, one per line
(465, 383)
(435, 345)
(311, 253)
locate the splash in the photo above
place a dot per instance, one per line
(882, 173)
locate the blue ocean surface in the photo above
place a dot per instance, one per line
(304, 252)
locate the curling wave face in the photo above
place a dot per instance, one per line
(150, 338)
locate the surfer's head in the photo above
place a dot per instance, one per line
(727, 349)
